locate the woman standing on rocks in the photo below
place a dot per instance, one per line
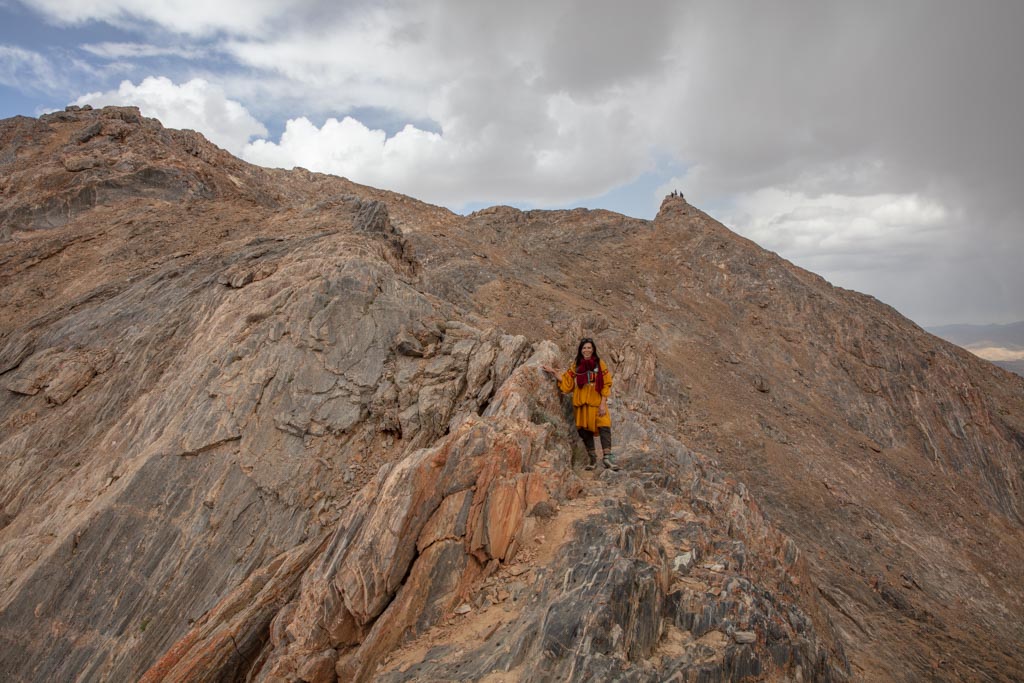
(590, 383)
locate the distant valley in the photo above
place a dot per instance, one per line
(1001, 344)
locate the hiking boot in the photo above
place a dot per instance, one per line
(591, 460)
(609, 462)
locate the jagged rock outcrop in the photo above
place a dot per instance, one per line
(269, 425)
(682, 576)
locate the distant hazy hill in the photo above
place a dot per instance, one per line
(1001, 344)
(1010, 336)
(1011, 365)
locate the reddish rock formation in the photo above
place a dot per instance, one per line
(277, 426)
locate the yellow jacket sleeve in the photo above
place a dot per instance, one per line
(606, 389)
(567, 381)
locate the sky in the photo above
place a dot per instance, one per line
(878, 144)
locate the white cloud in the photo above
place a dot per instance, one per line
(197, 104)
(111, 50)
(26, 69)
(345, 147)
(449, 168)
(863, 232)
(193, 17)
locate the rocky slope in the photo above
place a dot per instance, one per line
(268, 425)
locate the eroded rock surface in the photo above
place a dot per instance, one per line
(269, 425)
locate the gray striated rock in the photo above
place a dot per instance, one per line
(88, 133)
(373, 218)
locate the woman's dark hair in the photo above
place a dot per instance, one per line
(579, 351)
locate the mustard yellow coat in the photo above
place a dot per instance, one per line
(586, 400)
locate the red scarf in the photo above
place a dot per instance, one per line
(583, 374)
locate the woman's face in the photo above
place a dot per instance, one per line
(587, 350)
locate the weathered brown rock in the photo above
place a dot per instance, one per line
(278, 426)
(59, 374)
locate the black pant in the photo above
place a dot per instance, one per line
(588, 438)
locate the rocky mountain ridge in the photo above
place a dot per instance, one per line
(270, 425)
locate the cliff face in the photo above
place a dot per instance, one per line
(274, 425)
